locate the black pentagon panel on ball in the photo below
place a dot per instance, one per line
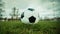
(32, 19)
(22, 15)
(31, 9)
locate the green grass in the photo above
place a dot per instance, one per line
(17, 27)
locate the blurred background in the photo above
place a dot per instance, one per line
(46, 8)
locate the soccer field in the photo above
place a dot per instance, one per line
(17, 27)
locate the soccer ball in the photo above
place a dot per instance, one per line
(30, 16)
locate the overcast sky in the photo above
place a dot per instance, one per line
(44, 7)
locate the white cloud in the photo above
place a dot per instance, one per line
(41, 6)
